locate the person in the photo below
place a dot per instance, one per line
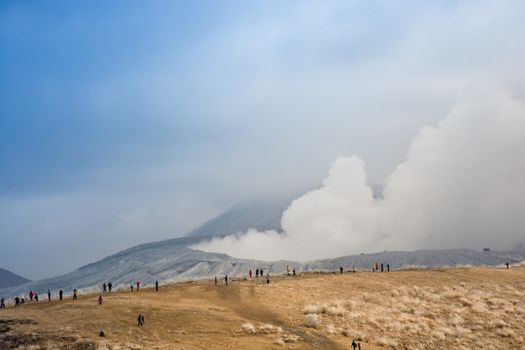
(75, 294)
(23, 300)
(48, 295)
(138, 285)
(507, 263)
(257, 272)
(215, 279)
(353, 269)
(226, 279)
(293, 272)
(354, 345)
(17, 301)
(358, 345)
(341, 270)
(60, 294)
(110, 286)
(31, 295)
(2, 303)
(268, 278)
(288, 270)
(382, 268)
(250, 273)
(101, 334)
(157, 286)
(140, 319)
(387, 267)
(132, 285)
(36, 297)
(261, 272)
(100, 299)
(104, 287)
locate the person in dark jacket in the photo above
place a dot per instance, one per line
(226, 279)
(104, 287)
(17, 301)
(157, 286)
(341, 270)
(110, 286)
(60, 294)
(140, 319)
(2, 303)
(48, 295)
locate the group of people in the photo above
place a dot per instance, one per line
(106, 287)
(356, 345)
(380, 267)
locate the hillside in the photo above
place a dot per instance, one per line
(10, 279)
(465, 308)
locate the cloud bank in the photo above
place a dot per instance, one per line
(462, 185)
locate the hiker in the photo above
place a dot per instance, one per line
(215, 279)
(359, 345)
(100, 299)
(17, 301)
(104, 287)
(157, 286)
(138, 285)
(261, 272)
(268, 278)
(341, 270)
(48, 295)
(387, 267)
(382, 268)
(23, 300)
(250, 273)
(293, 272)
(507, 263)
(354, 345)
(131, 285)
(257, 273)
(31, 295)
(2, 303)
(141, 319)
(36, 297)
(75, 294)
(101, 334)
(110, 286)
(226, 279)
(60, 293)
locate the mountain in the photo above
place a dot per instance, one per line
(10, 279)
(174, 259)
(261, 215)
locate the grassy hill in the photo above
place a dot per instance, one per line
(463, 308)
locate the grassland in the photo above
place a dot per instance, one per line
(466, 308)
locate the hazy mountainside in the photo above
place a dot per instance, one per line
(10, 279)
(261, 215)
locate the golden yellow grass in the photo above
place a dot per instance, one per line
(415, 309)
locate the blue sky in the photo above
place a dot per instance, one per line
(123, 122)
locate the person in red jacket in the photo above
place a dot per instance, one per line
(100, 299)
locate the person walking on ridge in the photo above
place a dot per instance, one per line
(104, 287)
(2, 303)
(75, 294)
(250, 273)
(141, 319)
(48, 295)
(157, 286)
(341, 270)
(226, 279)
(110, 286)
(507, 263)
(60, 294)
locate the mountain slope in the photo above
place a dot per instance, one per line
(10, 279)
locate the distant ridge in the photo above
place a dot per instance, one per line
(10, 279)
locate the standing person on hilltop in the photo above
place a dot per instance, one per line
(215, 279)
(36, 297)
(267, 278)
(132, 285)
(104, 287)
(157, 286)
(250, 273)
(48, 295)
(387, 267)
(75, 294)
(2, 303)
(382, 268)
(60, 294)
(138, 285)
(257, 272)
(507, 263)
(341, 270)
(31, 295)
(261, 272)
(17, 301)
(354, 345)
(226, 279)
(293, 272)
(110, 286)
